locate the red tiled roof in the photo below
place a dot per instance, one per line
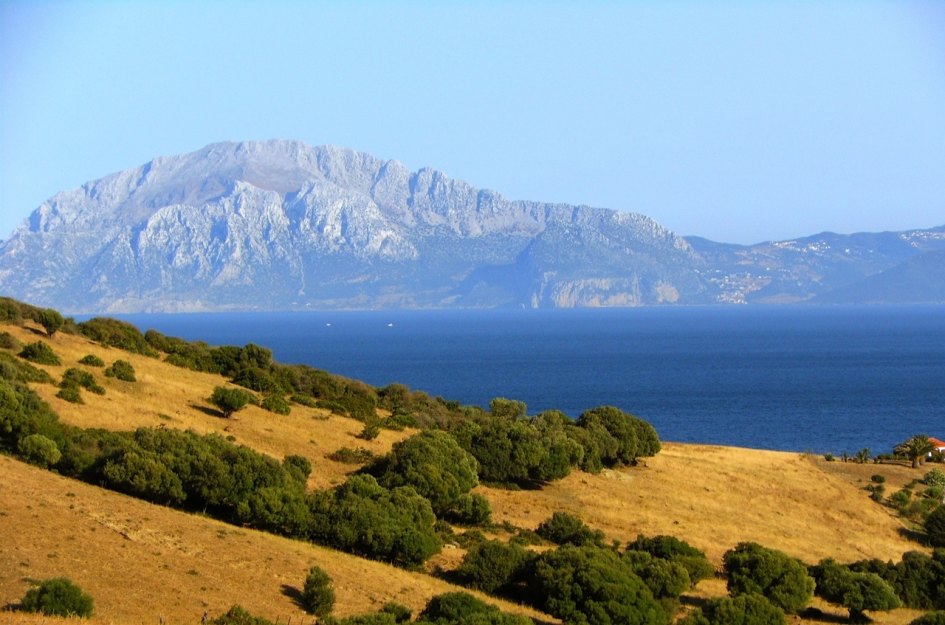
(938, 444)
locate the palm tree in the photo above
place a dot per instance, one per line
(915, 449)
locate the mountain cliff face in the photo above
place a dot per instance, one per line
(281, 225)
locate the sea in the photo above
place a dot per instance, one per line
(807, 379)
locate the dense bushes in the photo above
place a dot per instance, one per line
(40, 353)
(675, 550)
(434, 464)
(459, 608)
(122, 370)
(918, 579)
(57, 597)
(492, 566)
(591, 586)
(363, 517)
(566, 529)
(748, 609)
(781, 579)
(932, 618)
(230, 400)
(855, 590)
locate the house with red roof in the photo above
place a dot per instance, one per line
(939, 444)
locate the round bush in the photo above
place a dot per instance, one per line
(318, 596)
(122, 370)
(57, 597)
(92, 360)
(40, 353)
(39, 450)
(781, 579)
(932, 618)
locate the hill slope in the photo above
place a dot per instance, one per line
(122, 549)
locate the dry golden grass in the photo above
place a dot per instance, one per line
(140, 561)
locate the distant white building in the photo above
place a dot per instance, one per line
(939, 445)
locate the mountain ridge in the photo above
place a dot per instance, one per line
(280, 225)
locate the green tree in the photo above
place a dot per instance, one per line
(915, 449)
(434, 464)
(562, 528)
(318, 595)
(236, 615)
(39, 450)
(781, 579)
(748, 609)
(51, 321)
(492, 565)
(460, 608)
(507, 408)
(935, 527)
(230, 400)
(932, 618)
(591, 586)
(856, 591)
(57, 597)
(675, 550)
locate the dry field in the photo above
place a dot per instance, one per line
(142, 562)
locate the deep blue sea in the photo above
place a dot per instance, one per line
(789, 378)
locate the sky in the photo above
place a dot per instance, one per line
(737, 121)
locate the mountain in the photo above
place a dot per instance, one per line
(280, 225)
(827, 268)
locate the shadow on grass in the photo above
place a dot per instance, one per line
(294, 594)
(213, 412)
(819, 616)
(913, 535)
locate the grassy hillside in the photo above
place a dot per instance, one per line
(141, 561)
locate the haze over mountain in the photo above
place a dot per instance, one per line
(280, 225)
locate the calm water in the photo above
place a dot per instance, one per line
(820, 379)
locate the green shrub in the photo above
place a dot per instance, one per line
(51, 321)
(749, 609)
(432, 463)
(230, 400)
(491, 565)
(566, 529)
(460, 608)
(666, 579)
(276, 403)
(878, 478)
(70, 394)
(378, 618)
(935, 477)
(371, 430)
(781, 579)
(856, 591)
(57, 597)
(470, 509)
(40, 353)
(92, 361)
(935, 527)
(318, 596)
(78, 377)
(15, 369)
(122, 370)
(8, 341)
(932, 618)
(673, 549)
(236, 615)
(364, 518)
(115, 333)
(591, 586)
(351, 456)
(39, 450)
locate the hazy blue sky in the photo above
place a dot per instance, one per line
(739, 121)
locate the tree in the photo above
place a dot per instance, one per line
(562, 528)
(507, 408)
(492, 565)
(591, 586)
(57, 597)
(856, 591)
(935, 527)
(434, 464)
(460, 608)
(781, 579)
(39, 352)
(932, 618)
(318, 595)
(230, 400)
(675, 550)
(741, 610)
(915, 449)
(39, 450)
(51, 321)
